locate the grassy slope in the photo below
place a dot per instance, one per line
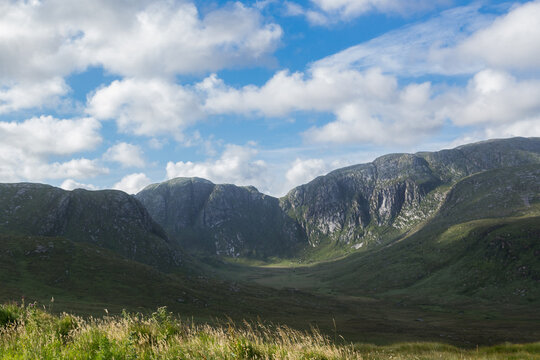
(473, 270)
(87, 279)
(29, 333)
(420, 288)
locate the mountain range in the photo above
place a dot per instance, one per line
(444, 227)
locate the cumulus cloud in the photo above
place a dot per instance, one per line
(46, 135)
(493, 97)
(146, 107)
(127, 155)
(236, 165)
(132, 183)
(304, 170)
(24, 95)
(362, 86)
(135, 38)
(512, 41)
(369, 105)
(42, 42)
(16, 166)
(26, 147)
(323, 89)
(70, 184)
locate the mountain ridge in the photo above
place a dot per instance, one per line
(107, 218)
(222, 219)
(378, 201)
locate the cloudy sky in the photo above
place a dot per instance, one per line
(122, 93)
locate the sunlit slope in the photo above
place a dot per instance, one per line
(371, 205)
(484, 242)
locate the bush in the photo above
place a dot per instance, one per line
(9, 314)
(64, 326)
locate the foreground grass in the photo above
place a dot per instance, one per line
(27, 332)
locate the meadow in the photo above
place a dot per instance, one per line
(31, 331)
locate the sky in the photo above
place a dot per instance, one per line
(118, 94)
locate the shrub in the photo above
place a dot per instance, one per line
(9, 314)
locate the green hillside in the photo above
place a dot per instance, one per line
(109, 219)
(450, 249)
(369, 205)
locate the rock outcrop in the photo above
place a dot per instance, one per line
(393, 193)
(222, 219)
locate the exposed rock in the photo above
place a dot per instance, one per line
(396, 191)
(222, 219)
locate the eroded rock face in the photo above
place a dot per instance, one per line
(110, 219)
(395, 191)
(222, 219)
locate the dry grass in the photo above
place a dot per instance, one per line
(27, 332)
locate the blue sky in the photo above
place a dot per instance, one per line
(119, 94)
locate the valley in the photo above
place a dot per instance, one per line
(441, 246)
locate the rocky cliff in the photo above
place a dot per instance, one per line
(222, 219)
(369, 203)
(109, 219)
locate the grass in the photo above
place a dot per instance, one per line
(28, 332)
(450, 281)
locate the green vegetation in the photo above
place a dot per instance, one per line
(459, 267)
(30, 333)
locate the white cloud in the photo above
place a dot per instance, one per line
(42, 42)
(512, 41)
(127, 155)
(417, 49)
(463, 40)
(302, 171)
(351, 8)
(135, 38)
(236, 165)
(46, 135)
(146, 107)
(491, 98)
(70, 184)
(31, 94)
(527, 127)
(16, 167)
(132, 183)
(174, 39)
(324, 12)
(369, 106)
(324, 89)
(27, 146)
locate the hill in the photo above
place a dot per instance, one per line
(436, 244)
(481, 244)
(109, 219)
(371, 204)
(222, 219)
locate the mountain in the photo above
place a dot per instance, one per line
(371, 204)
(108, 219)
(482, 243)
(222, 219)
(448, 246)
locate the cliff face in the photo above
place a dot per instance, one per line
(222, 219)
(360, 203)
(109, 219)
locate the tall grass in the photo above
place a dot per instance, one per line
(28, 332)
